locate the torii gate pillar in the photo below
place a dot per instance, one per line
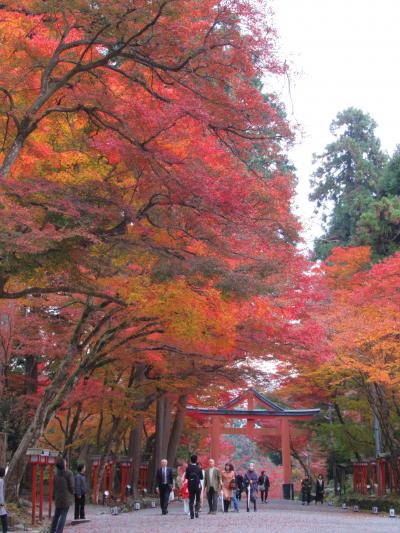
(215, 444)
(286, 460)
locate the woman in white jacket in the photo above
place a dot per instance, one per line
(3, 512)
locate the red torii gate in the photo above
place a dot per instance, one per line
(269, 412)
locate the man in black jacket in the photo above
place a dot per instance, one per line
(164, 482)
(194, 475)
(80, 492)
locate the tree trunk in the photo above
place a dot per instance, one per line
(113, 435)
(177, 429)
(166, 425)
(3, 449)
(45, 410)
(158, 445)
(31, 372)
(135, 449)
(12, 155)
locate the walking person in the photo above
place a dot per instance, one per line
(251, 484)
(63, 495)
(164, 482)
(3, 512)
(228, 485)
(194, 475)
(306, 485)
(80, 492)
(183, 489)
(212, 485)
(234, 492)
(202, 486)
(239, 483)
(319, 489)
(263, 485)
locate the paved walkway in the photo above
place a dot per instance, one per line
(275, 517)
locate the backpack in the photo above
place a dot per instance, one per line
(193, 480)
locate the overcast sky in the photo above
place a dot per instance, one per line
(341, 53)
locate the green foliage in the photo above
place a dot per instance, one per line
(384, 503)
(347, 177)
(357, 189)
(379, 226)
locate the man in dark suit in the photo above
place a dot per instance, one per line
(194, 475)
(164, 482)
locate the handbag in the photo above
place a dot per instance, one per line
(232, 484)
(171, 496)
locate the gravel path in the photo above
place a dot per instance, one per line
(276, 517)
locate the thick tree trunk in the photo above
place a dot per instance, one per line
(135, 451)
(112, 437)
(158, 445)
(381, 408)
(166, 426)
(12, 155)
(177, 429)
(55, 393)
(31, 371)
(3, 449)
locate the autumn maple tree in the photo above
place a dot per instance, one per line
(145, 222)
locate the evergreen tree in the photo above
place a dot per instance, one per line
(379, 226)
(347, 179)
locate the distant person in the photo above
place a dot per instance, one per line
(63, 495)
(194, 475)
(164, 482)
(212, 485)
(306, 485)
(319, 489)
(3, 512)
(240, 485)
(228, 485)
(263, 485)
(251, 484)
(80, 493)
(234, 491)
(202, 485)
(184, 490)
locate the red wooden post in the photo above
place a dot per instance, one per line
(105, 478)
(123, 481)
(95, 481)
(34, 493)
(365, 478)
(41, 477)
(373, 466)
(250, 421)
(356, 477)
(51, 488)
(143, 475)
(286, 456)
(215, 438)
(381, 477)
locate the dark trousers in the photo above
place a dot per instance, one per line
(239, 494)
(59, 518)
(80, 507)
(4, 522)
(319, 497)
(165, 491)
(305, 497)
(212, 497)
(227, 504)
(194, 501)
